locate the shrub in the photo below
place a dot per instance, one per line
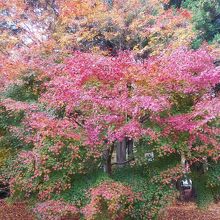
(213, 181)
(110, 200)
(154, 195)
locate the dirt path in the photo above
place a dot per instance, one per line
(17, 211)
(179, 211)
(189, 211)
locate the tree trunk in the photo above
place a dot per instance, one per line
(130, 147)
(121, 152)
(107, 157)
(205, 165)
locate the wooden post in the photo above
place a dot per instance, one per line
(183, 162)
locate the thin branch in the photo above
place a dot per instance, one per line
(4, 52)
(78, 123)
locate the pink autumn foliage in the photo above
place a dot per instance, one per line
(16, 106)
(105, 89)
(184, 70)
(41, 125)
(111, 200)
(56, 149)
(197, 125)
(105, 98)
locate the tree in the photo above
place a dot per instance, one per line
(206, 18)
(98, 77)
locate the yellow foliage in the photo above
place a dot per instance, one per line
(4, 155)
(127, 24)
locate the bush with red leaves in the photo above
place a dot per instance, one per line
(110, 200)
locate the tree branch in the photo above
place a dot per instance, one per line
(127, 161)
